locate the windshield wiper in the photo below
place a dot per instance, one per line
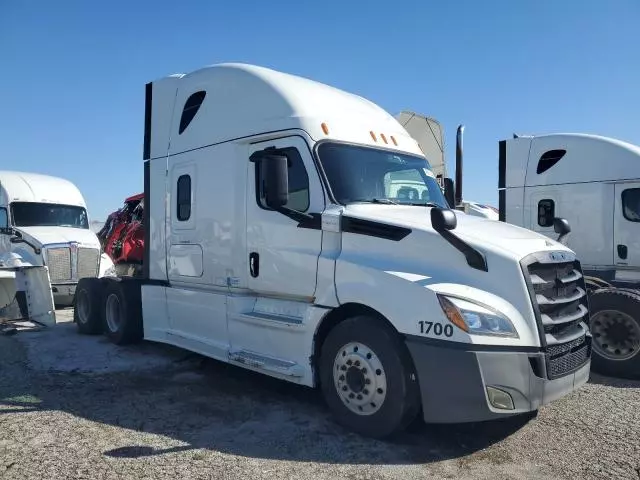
(384, 201)
(425, 204)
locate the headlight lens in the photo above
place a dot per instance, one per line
(475, 318)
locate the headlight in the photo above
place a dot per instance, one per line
(475, 318)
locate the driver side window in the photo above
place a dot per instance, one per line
(631, 204)
(4, 220)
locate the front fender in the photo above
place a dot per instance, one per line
(408, 300)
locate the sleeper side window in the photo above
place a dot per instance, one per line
(191, 107)
(549, 159)
(4, 220)
(546, 212)
(183, 207)
(631, 204)
(298, 182)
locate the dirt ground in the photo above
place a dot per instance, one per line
(73, 406)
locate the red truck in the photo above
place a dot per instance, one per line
(122, 236)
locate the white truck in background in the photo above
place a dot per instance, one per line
(44, 220)
(592, 182)
(274, 243)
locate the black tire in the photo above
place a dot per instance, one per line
(87, 306)
(123, 324)
(627, 302)
(401, 403)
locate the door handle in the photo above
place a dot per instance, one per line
(254, 264)
(622, 252)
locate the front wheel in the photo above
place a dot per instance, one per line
(615, 326)
(367, 378)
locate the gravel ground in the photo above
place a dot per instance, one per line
(73, 406)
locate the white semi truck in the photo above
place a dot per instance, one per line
(591, 181)
(274, 242)
(44, 220)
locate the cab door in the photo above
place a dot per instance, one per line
(626, 236)
(282, 257)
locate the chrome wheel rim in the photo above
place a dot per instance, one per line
(616, 335)
(113, 312)
(359, 379)
(83, 305)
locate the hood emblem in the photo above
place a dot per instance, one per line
(558, 256)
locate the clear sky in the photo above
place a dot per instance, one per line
(72, 72)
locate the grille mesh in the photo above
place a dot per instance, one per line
(59, 263)
(88, 262)
(67, 266)
(568, 362)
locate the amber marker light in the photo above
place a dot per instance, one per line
(452, 313)
(325, 129)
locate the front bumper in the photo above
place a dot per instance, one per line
(454, 378)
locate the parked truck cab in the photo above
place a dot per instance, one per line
(44, 220)
(278, 240)
(593, 182)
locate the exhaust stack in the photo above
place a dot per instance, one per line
(458, 189)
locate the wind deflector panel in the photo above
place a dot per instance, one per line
(191, 107)
(549, 159)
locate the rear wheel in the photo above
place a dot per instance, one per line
(87, 312)
(123, 312)
(615, 326)
(367, 378)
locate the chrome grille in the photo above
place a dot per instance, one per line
(559, 297)
(68, 264)
(59, 263)
(88, 262)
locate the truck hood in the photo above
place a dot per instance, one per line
(47, 235)
(502, 238)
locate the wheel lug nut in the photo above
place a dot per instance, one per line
(342, 378)
(380, 391)
(359, 397)
(357, 364)
(349, 362)
(344, 389)
(365, 391)
(367, 381)
(351, 395)
(364, 371)
(343, 368)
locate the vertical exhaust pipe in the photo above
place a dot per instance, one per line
(458, 189)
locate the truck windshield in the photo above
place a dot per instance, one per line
(364, 174)
(30, 214)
